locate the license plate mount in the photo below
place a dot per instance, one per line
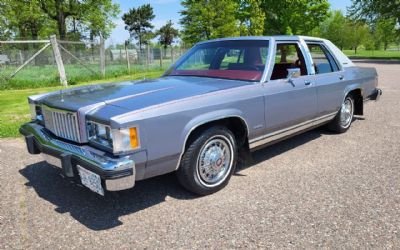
(91, 180)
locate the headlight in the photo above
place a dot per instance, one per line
(36, 111)
(119, 140)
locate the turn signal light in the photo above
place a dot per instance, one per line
(134, 137)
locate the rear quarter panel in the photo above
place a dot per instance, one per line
(332, 91)
(364, 78)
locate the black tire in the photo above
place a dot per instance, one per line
(189, 170)
(337, 125)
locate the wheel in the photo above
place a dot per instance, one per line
(209, 161)
(344, 117)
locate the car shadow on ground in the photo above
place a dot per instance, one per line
(101, 213)
(266, 153)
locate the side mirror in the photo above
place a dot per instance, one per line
(293, 73)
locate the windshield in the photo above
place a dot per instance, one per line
(238, 59)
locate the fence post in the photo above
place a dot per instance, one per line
(161, 57)
(172, 54)
(128, 64)
(59, 61)
(102, 57)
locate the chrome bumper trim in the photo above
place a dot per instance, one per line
(121, 170)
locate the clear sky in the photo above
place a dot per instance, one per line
(165, 10)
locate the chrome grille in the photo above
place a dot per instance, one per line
(63, 124)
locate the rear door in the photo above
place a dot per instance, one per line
(289, 103)
(329, 78)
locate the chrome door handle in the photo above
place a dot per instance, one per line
(341, 77)
(306, 82)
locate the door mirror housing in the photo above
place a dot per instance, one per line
(293, 73)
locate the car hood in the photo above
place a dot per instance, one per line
(132, 95)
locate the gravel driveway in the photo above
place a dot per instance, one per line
(314, 190)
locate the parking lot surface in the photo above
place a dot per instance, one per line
(315, 190)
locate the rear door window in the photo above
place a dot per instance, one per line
(323, 60)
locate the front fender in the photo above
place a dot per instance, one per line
(209, 117)
(204, 119)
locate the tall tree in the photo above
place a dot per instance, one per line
(251, 17)
(24, 18)
(293, 16)
(98, 17)
(336, 29)
(138, 23)
(5, 31)
(373, 9)
(167, 34)
(385, 31)
(360, 33)
(80, 11)
(60, 10)
(208, 19)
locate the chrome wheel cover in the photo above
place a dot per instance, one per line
(346, 113)
(215, 161)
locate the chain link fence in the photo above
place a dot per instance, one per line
(43, 63)
(131, 60)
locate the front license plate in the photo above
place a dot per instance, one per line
(90, 180)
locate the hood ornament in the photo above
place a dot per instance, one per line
(62, 95)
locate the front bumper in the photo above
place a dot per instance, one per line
(116, 173)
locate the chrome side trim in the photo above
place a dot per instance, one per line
(256, 142)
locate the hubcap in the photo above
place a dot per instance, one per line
(215, 161)
(346, 113)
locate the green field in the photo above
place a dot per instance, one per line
(374, 54)
(47, 75)
(14, 109)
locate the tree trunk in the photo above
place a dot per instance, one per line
(62, 29)
(140, 48)
(355, 49)
(23, 47)
(34, 36)
(92, 45)
(60, 18)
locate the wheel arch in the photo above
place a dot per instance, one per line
(357, 92)
(232, 119)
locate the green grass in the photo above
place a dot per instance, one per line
(374, 54)
(47, 75)
(14, 109)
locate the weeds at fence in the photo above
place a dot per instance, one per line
(22, 67)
